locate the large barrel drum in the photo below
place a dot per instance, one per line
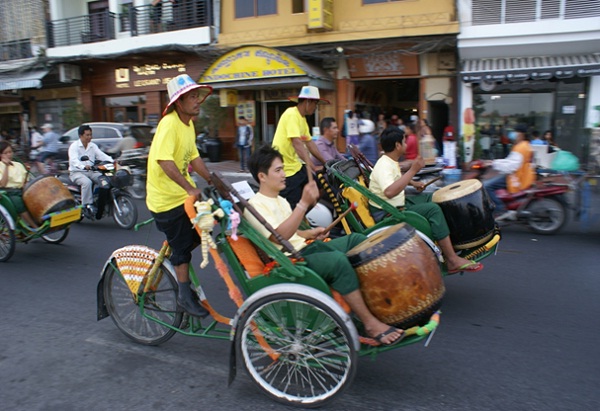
(468, 212)
(44, 195)
(400, 278)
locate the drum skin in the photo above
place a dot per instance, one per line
(44, 195)
(399, 276)
(468, 212)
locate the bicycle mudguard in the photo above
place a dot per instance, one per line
(133, 262)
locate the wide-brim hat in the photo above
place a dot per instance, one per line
(309, 93)
(47, 125)
(182, 84)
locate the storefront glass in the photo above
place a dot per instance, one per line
(123, 109)
(557, 105)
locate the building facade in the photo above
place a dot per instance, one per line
(373, 56)
(535, 62)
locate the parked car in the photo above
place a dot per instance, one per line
(107, 136)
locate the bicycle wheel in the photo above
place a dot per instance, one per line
(315, 357)
(160, 305)
(7, 239)
(128, 216)
(56, 237)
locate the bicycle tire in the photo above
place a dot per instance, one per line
(7, 239)
(316, 358)
(159, 305)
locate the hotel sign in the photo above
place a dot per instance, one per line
(251, 63)
(146, 75)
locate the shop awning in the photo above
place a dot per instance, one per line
(525, 68)
(251, 67)
(19, 80)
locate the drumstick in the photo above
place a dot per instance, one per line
(431, 182)
(353, 206)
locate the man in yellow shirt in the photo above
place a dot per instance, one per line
(292, 139)
(169, 182)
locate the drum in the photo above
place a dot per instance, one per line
(399, 276)
(44, 195)
(468, 212)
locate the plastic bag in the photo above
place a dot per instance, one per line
(565, 161)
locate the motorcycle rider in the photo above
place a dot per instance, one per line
(81, 172)
(516, 172)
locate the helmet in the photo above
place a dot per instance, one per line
(319, 216)
(122, 179)
(366, 126)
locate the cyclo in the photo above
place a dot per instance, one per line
(297, 338)
(51, 206)
(466, 207)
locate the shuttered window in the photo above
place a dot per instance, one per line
(487, 12)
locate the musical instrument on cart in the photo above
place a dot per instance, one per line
(296, 337)
(473, 231)
(50, 205)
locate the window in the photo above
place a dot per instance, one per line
(298, 6)
(518, 11)
(254, 8)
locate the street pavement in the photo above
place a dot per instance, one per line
(520, 335)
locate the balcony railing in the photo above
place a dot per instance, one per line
(15, 50)
(82, 29)
(136, 21)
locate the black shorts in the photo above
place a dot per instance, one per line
(181, 235)
(294, 186)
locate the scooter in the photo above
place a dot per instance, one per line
(543, 207)
(110, 196)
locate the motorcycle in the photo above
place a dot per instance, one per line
(543, 207)
(136, 161)
(110, 196)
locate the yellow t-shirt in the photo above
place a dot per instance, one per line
(174, 141)
(384, 173)
(292, 124)
(275, 211)
(17, 174)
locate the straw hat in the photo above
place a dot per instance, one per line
(309, 93)
(180, 85)
(47, 126)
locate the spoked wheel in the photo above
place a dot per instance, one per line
(548, 215)
(7, 239)
(126, 214)
(160, 305)
(56, 237)
(296, 348)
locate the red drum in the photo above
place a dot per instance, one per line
(399, 276)
(44, 195)
(468, 212)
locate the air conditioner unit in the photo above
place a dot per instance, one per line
(67, 73)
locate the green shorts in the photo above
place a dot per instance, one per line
(16, 197)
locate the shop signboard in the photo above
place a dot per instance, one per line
(251, 63)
